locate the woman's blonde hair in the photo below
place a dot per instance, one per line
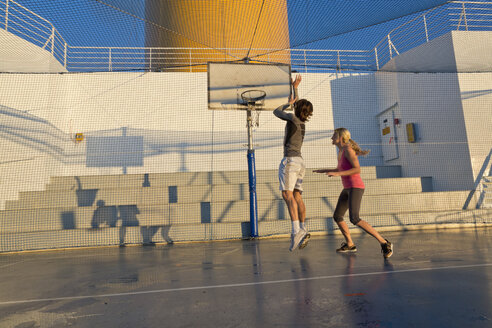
(345, 135)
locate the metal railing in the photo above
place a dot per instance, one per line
(195, 59)
(28, 25)
(456, 15)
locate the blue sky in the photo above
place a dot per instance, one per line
(89, 23)
(330, 21)
(92, 23)
(313, 24)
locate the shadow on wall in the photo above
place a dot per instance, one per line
(476, 93)
(109, 215)
(105, 215)
(479, 184)
(128, 215)
(126, 147)
(355, 105)
(33, 132)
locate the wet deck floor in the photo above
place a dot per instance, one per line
(434, 279)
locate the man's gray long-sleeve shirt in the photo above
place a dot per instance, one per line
(294, 131)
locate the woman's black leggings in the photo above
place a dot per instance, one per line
(349, 199)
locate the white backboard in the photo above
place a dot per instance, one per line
(227, 81)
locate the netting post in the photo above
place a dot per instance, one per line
(6, 14)
(65, 55)
(110, 64)
(426, 32)
(190, 62)
(376, 55)
(389, 46)
(52, 40)
(150, 59)
(464, 16)
(305, 62)
(253, 204)
(338, 61)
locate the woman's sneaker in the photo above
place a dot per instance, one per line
(387, 249)
(346, 249)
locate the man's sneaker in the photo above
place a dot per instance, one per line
(296, 239)
(305, 240)
(346, 249)
(291, 242)
(387, 249)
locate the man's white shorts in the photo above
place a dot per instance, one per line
(291, 173)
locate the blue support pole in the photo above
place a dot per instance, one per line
(253, 205)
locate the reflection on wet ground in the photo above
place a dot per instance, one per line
(438, 278)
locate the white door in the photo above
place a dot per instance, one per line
(388, 135)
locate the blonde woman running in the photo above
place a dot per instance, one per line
(353, 188)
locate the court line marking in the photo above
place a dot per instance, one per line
(10, 264)
(245, 284)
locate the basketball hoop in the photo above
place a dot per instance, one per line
(244, 86)
(255, 99)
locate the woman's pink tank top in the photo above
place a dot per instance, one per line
(349, 181)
